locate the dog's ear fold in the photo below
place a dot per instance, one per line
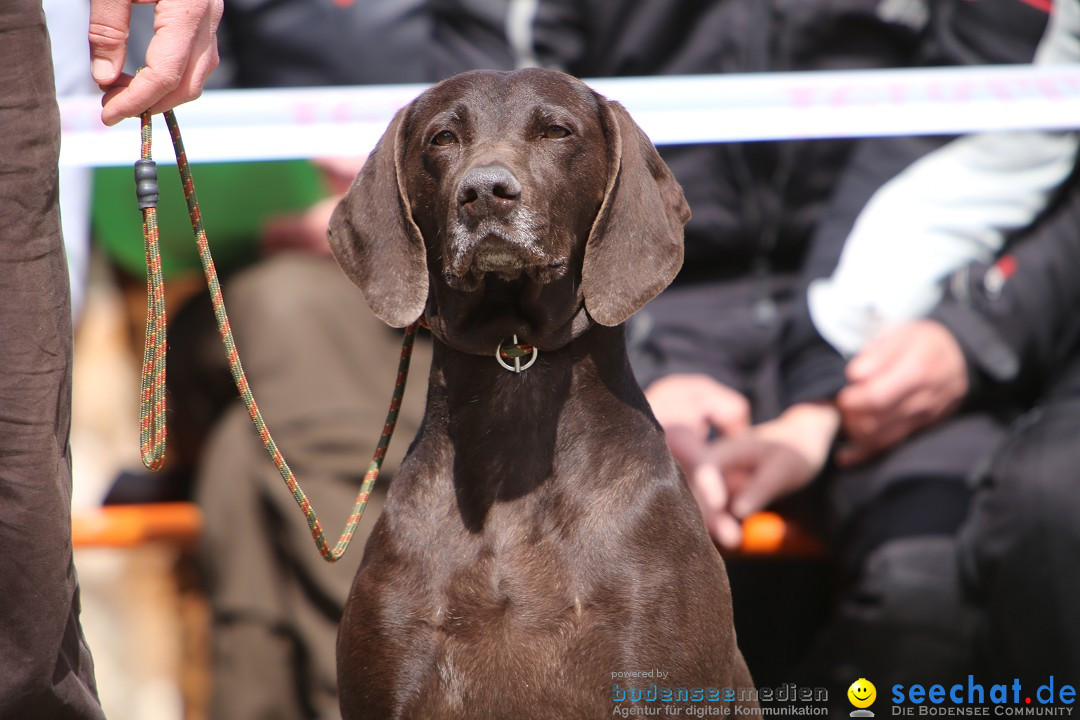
(374, 238)
(635, 247)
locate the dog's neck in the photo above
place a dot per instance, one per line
(506, 430)
(485, 337)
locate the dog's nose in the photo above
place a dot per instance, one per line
(489, 189)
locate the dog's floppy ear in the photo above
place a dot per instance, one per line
(635, 247)
(375, 239)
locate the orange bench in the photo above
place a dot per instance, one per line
(126, 526)
(179, 523)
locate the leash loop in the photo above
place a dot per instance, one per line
(152, 406)
(152, 384)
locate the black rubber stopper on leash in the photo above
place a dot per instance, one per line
(146, 185)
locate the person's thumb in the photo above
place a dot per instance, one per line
(110, 22)
(778, 474)
(754, 497)
(878, 354)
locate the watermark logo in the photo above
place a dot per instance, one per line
(862, 695)
(973, 698)
(653, 692)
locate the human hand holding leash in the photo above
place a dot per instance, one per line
(740, 475)
(905, 379)
(179, 59)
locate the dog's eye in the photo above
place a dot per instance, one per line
(555, 132)
(444, 138)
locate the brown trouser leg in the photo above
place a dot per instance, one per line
(45, 667)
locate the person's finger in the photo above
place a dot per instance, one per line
(780, 472)
(179, 58)
(707, 485)
(882, 427)
(730, 415)
(685, 445)
(874, 357)
(726, 531)
(110, 21)
(875, 393)
(866, 364)
(861, 418)
(710, 490)
(203, 61)
(739, 462)
(867, 395)
(756, 495)
(740, 453)
(698, 402)
(152, 84)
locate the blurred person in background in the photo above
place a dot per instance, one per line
(953, 302)
(45, 667)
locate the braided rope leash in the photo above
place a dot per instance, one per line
(152, 405)
(152, 391)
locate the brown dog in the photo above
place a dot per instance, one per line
(538, 545)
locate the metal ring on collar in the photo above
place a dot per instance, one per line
(517, 367)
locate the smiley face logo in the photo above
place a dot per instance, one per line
(862, 693)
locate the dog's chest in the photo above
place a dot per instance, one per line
(511, 627)
(509, 619)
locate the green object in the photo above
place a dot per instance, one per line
(235, 198)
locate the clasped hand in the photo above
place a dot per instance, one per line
(906, 379)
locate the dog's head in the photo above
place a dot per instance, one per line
(504, 203)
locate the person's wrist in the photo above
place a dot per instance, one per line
(809, 428)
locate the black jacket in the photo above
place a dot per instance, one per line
(298, 43)
(958, 33)
(1017, 319)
